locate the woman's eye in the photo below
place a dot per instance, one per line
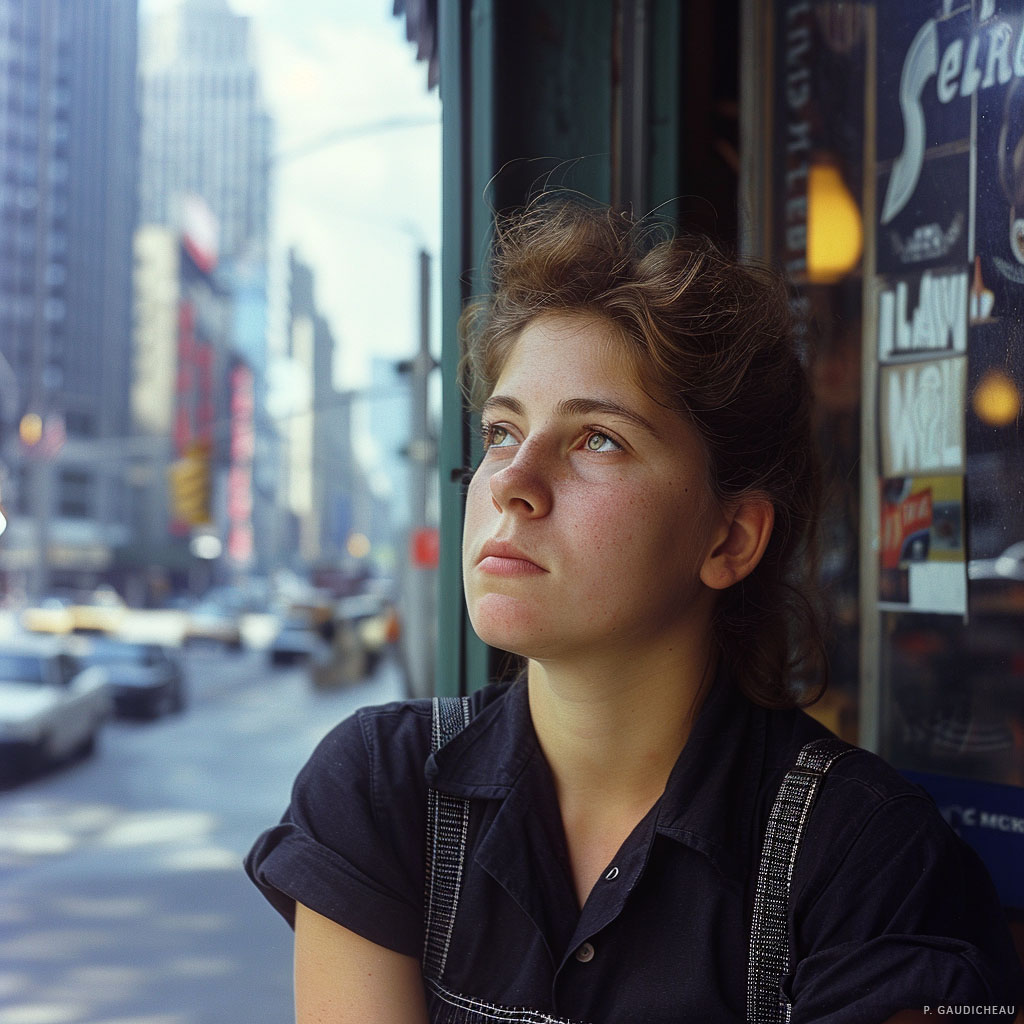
(598, 442)
(496, 437)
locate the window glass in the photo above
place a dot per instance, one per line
(22, 668)
(897, 184)
(950, 253)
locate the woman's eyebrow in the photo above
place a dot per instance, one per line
(573, 407)
(512, 405)
(588, 406)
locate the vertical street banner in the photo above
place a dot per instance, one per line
(240, 472)
(795, 115)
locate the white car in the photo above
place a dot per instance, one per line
(51, 708)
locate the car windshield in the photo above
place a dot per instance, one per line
(210, 609)
(105, 654)
(22, 668)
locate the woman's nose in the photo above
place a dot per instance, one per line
(524, 485)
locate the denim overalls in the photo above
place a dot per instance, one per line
(448, 828)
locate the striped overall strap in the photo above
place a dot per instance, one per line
(447, 828)
(769, 933)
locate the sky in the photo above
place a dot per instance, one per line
(358, 210)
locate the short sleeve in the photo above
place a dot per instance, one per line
(351, 844)
(892, 912)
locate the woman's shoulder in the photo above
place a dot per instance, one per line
(869, 824)
(389, 741)
(351, 843)
(880, 878)
(861, 776)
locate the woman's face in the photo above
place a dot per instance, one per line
(590, 516)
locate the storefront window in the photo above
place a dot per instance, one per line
(897, 183)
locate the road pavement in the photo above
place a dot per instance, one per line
(122, 898)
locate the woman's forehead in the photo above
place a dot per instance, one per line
(574, 343)
(577, 362)
(571, 338)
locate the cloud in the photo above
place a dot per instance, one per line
(356, 209)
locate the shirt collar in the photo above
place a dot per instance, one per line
(487, 757)
(709, 801)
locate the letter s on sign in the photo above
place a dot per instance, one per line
(922, 61)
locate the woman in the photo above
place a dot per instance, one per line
(636, 532)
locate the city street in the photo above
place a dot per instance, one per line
(122, 897)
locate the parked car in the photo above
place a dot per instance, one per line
(145, 679)
(374, 621)
(209, 621)
(94, 611)
(102, 610)
(51, 706)
(52, 614)
(296, 641)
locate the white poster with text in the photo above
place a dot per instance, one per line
(921, 417)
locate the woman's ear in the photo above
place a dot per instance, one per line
(739, 543)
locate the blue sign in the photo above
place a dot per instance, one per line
(988, 816)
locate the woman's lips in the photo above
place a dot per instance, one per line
(498, 565)
(499, 558)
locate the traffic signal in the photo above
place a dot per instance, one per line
(189, 481)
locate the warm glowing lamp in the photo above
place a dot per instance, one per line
(835, 235)
(30, 429)
(996, 399)
(358, 545)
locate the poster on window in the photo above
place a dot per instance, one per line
(922, 554)
(921, 417)
(924, 315)
(928, 68)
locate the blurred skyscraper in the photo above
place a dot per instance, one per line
(205, 126)
(68, 158)
(327, 493)
(206, 141)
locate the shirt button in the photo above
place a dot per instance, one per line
(585, 953)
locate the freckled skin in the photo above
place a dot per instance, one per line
(622, 532)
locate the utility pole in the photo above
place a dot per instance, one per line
(421, 586)
(40, 471)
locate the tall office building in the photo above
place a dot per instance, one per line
(68, 121)
(205, 127)
(326, 491)
(206, 138)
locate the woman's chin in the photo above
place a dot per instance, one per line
(508, 626)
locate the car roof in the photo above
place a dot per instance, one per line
(39, 644)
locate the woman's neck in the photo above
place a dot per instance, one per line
(611, 735)
(616, 730)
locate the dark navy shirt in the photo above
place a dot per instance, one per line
(889, 910)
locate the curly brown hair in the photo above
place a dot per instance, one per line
(711, 339)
